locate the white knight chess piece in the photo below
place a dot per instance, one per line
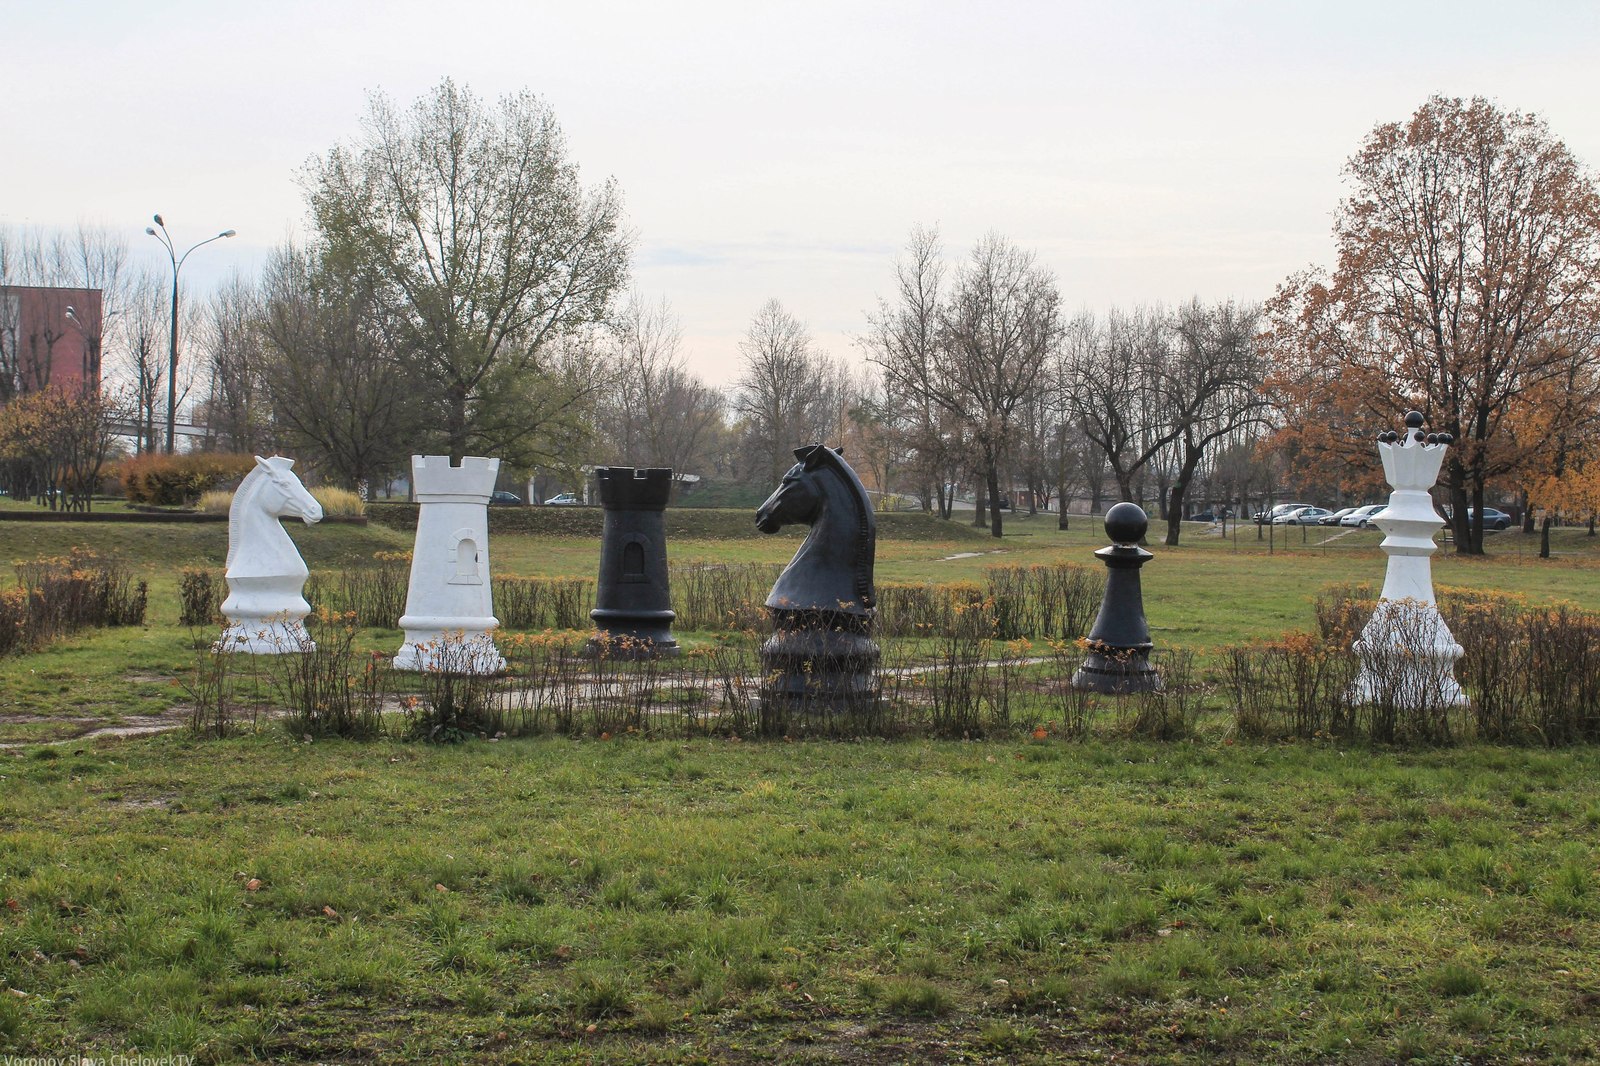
(265, 610)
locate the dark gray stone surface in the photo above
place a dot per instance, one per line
(633, 600)
(1119, 642)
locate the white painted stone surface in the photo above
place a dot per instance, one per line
(449, 619)
(1407, 651)
(265, 609)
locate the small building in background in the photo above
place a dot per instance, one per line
(41, 345)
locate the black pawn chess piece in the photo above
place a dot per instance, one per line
(1119, 643)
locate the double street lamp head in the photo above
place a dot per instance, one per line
(172, 357)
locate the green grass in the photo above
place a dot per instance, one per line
(709, 901)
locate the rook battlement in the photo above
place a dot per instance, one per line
(435, 479)
(627, 488)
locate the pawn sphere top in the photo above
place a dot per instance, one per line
(1126, 523)
(1413, 419)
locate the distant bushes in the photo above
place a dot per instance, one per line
(339, 503)
(335, 502)
(1043, 602)
(162, 480)
(55, 597)
(700, 523)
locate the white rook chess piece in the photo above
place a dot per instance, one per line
(449, 603)
(1407, 651)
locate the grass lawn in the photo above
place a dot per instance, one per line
(552, 900)
(713, 901)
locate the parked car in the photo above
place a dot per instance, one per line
(1304, 516)
(1214, 515)
(502, 498)
(566, 499)
(1493, 518)
(1282, 509)
(1335, 518)
(1361, 517)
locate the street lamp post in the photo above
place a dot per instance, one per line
(159, 232)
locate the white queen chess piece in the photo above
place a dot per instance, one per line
(265, 610)
(1407, 651)
(449, 615)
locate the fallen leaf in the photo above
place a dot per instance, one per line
(330, 912)
(253, 885)
(440, 888)
(591, 1027)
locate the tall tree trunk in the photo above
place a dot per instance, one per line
(1544, 535)
(456, 425)
(1180, 486)
(994, 499)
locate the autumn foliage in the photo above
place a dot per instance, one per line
(1468, 271)
(53, 444)
(174, 480)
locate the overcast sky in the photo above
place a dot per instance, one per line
(1147, 151)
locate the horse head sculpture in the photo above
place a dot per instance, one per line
(832, 570)
(265, 574)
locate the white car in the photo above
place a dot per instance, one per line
(566, 499)
(1305, 516)
(1361, 517)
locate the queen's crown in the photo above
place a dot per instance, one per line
(1411, 458)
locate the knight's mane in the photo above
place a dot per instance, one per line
(241, 496)
(864, 546)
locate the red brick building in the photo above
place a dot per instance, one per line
(41, 345)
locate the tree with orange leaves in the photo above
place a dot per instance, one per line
(1469, 244)
(1562, 416)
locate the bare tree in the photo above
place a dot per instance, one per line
(1210, 387)
(999, 328)
(656, 412)
(1111, 376)
(142, 344)
(903, 340)
(789, 393)
(337, 392)
(237, 418)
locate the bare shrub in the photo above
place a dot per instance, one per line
(722, 596)
(223, 688)
(199, 596)
(326, 689)
(458, 701)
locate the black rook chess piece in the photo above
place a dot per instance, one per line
(633, 603)
(1119, 643)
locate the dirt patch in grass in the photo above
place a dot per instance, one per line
(67, 729)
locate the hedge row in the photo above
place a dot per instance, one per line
(696, 523)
